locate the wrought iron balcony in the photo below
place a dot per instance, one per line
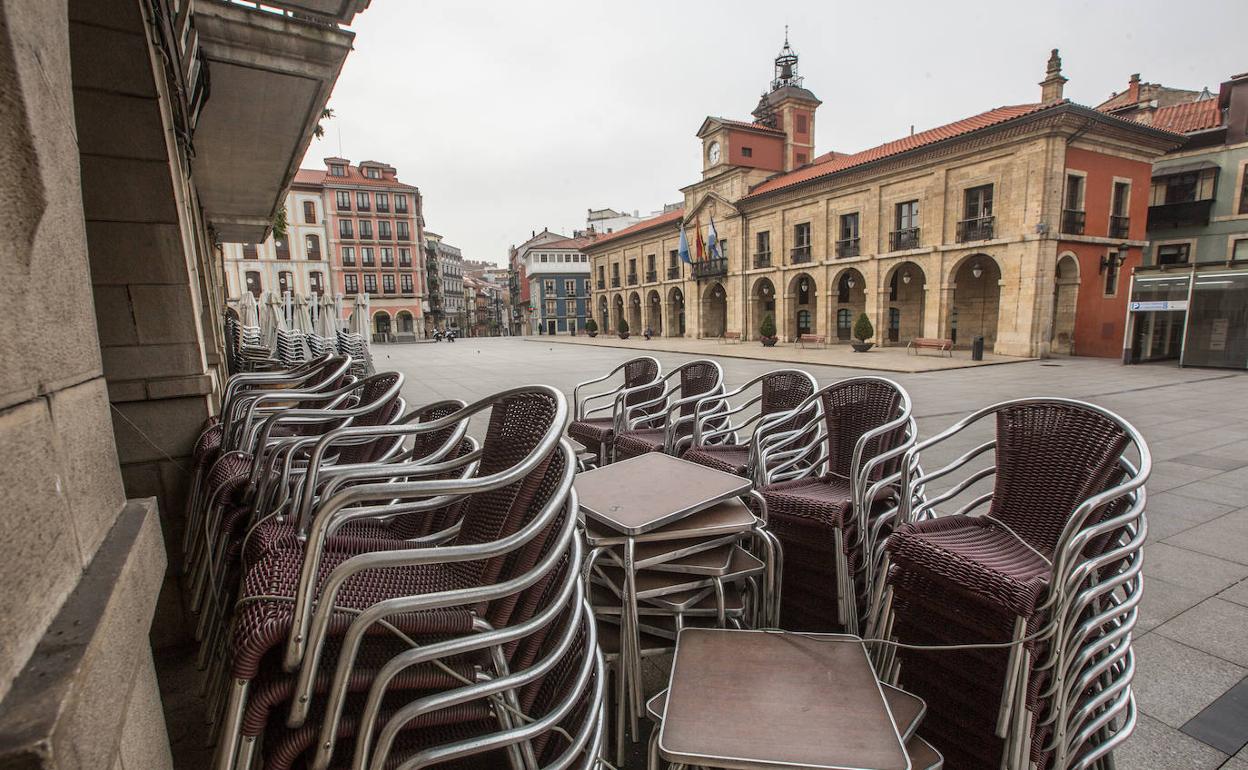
(762, 259)
(847, 247)
(652, 276)
(673, 272)
(1073, 221)
(1186, 214)
(710, 268)
(977, 229)
(632, 279)
(601, 284)
(904, 239)
(800, 254)
(615, 282)
(1119, 227)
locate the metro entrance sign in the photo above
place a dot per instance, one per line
(1160, 305)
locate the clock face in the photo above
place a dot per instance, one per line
(712, 153)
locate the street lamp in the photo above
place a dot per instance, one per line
(849, 282)
(905, 277)
(976, 270)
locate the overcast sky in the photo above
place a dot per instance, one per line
(514, 116)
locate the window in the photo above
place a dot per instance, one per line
(849, 226)
(569, 287)
(316, 280)
(747, 152)
(1239, 251)
(847, 242)
(382, 200)
(282, 248)
(387, 283)
(801, 235)
(801, 159)
(548, 286)
(336, 169)
(1111, 272)
(400, 203)
(403, 232)
(1184, 188)
(387, 256)
(351, 284)
(285, 282)
(1074, 192)
(1173, 254)
(551, 307)
(361, 201)
(907, 216)
(309, 212)
(348, 255)
(408, 288)
(383, 230)
(366, 255)
(650, 263)
(253, 283)
(762, 244)
(673, 259)
(542, 257)
(249, 251)
(346, 229)
(366, 228)
(1121, 199)
(978, 202)
(372, 172)
(800, 124)
(843, 320)
(312, 246)
(723, 248)
(343, 199)
(370, 283)
(1243, 189)
(405, 257)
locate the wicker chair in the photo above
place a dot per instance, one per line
(822, 483)
(665, 422)
(718, 442)
(1051, 569)
(598, 433)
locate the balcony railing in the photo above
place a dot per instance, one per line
(402, 236)
(615, 282)
(847, 247)
(314, 254)
(762, 259)
(977, 229)
(632, 279)
(800, 254)
(383, 208)
(344, 206)
(1073, 221)
(904, 239)
(1119, 227)
(673, 272)
(363, 207)
(601, 284)
(710, 268)
(652, 276)
(383, 235)
(1186, 214)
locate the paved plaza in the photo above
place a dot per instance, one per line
(1192, 636)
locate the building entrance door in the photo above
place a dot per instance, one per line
(550, 327)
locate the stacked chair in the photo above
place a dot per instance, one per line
(379, 590)
(355, 345)
(597, 416)
(1049, 574)
(828, 485)
(665, 421)
(291, 349)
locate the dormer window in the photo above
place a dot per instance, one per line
(372, 172)
(337, 170)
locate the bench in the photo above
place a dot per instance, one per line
(730, 337)
(811, 339)
(930, 343)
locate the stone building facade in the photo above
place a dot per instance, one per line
(120, 174)
(954, 232)
(298, 263)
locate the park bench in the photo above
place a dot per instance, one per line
(930, 343)
(811, 339)
(730, 337)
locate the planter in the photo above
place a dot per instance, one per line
(861, 347)
(592, 334)
(769, 342)
(623, 335)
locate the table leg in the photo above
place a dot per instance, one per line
(629, 607)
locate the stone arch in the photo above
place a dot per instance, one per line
(1065, 304)
(406, 324)
(604, 315)
(675, 312)
(802, 295)
(848, 300)
(382, 325)
(617, 312)
(714, 311)
(762, 303)
(654, 312)
(974, 300)
(634, 312)
(904, 303)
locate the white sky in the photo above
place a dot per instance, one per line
(514, 116)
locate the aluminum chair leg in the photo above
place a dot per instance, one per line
(1011, 677)
(247, 752)
(652, 750)
(231, 726)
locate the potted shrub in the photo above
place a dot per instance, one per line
(623, 329)
(863, 331)
(767, 331)
(591, 327)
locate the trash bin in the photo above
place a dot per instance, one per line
(977, 348)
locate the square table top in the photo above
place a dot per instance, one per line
(755, 700)
(643, 493)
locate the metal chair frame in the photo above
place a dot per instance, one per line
(665, 408)
(581, 406)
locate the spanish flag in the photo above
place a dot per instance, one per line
(697, 229)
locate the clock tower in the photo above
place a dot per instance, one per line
(790, 108)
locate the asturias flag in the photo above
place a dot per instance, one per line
(684, 245)
(713, 240)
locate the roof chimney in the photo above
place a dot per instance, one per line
(1053, 84)
(1133, 88)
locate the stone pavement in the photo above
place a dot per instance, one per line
(1192, 637)
(889, 359)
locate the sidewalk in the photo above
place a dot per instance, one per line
(890, 359)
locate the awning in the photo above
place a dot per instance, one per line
(1184, 168)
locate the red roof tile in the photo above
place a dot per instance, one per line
(646, 224)
(751, 126)
(1185, 118)
(831, 163)
(309, 176)
(354, 178)
(575, 244)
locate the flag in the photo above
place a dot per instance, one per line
(697, 227)
(713, 241)
(684, 245)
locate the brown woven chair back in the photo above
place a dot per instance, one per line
(784, 390)
(320, 381)
(1050, 458)
(421, 524)
(697, 378)
(852, 408)
(377, 392)
(638, 372)
(424, 444)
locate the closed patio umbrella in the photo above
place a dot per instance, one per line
(248, 314)
(303, 316)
